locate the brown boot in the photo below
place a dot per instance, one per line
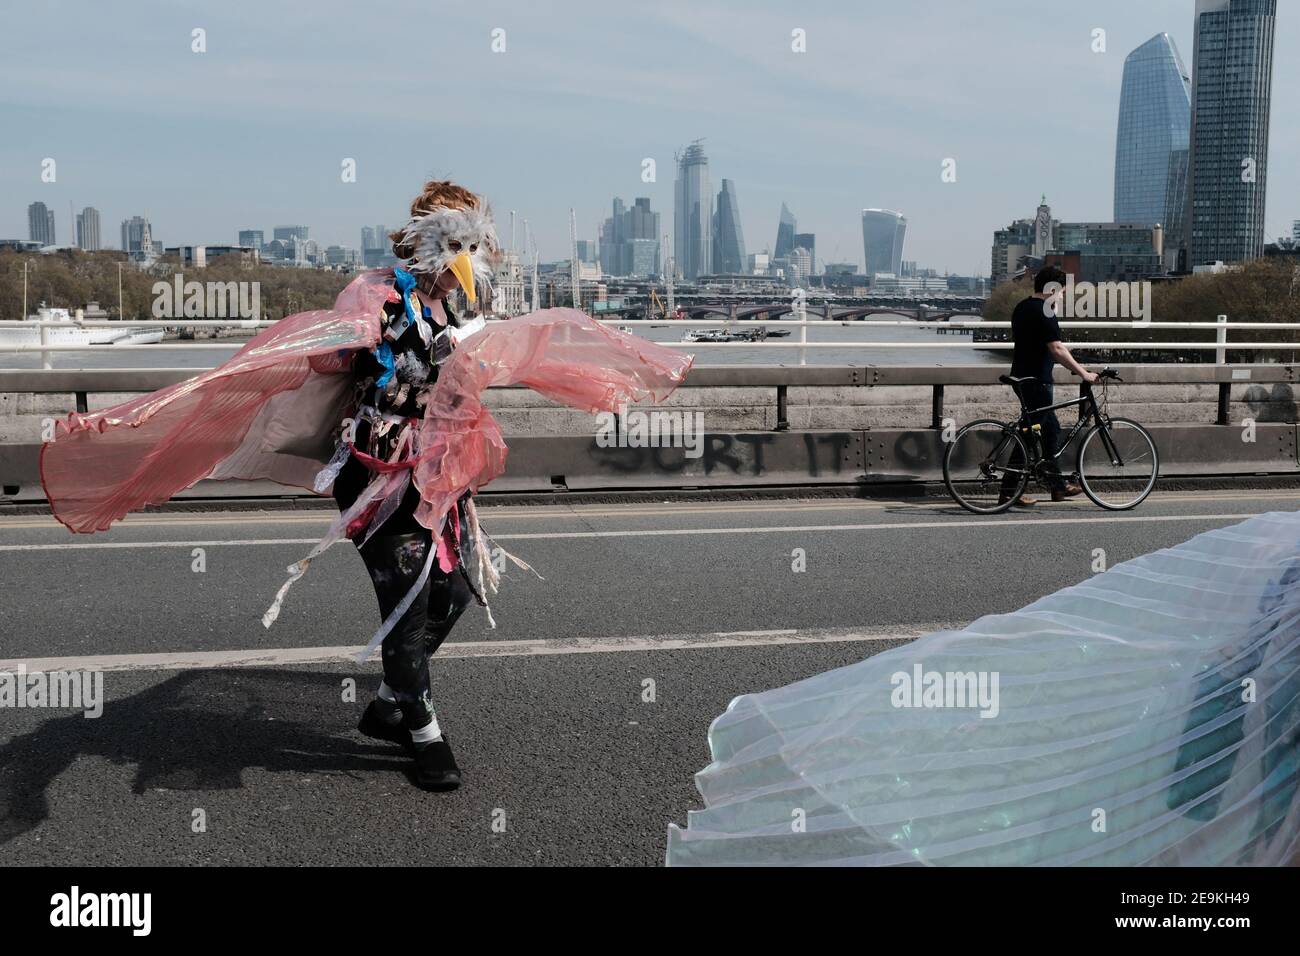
(1024, 501)
(1067, 490)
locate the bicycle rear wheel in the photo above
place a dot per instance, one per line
(1118, 468)
(985, 467)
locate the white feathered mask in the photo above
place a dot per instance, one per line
(462, 240)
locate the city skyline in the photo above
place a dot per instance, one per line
(871, 136)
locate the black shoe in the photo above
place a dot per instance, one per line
(372, 724)
(435, 767)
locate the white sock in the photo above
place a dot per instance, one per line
(428, 734)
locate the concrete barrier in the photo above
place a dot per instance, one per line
(768, 425)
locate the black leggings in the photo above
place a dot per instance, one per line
(395, 563)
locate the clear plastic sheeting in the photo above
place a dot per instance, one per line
(1147, 716)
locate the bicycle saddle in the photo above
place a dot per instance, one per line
(1014, 381)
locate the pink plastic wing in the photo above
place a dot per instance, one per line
(255, 416)
(560, 353)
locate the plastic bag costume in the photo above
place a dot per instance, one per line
(1150, 715)
(373, 391)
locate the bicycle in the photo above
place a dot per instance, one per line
(989, 463)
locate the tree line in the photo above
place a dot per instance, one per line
(70, 279)
(1263, 290)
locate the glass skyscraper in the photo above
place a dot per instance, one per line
(728, 237)
(882, 240)
(285, 233)
(137, 237)
(1155, 110)
(785, 230)
(1232, 75)
(1175, 211)
(808, 241)
(88, 229)
(693, 213)
(40, 223)
(629, 243)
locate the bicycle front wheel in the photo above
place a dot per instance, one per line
(985, 467)
(1118, 464)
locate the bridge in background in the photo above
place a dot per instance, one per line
(829, 312)
(936, 307)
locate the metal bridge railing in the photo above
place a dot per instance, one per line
(1220, 344)
(81, 383)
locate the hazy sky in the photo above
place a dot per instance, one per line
(251, 133)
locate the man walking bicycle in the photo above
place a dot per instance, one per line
(1037, 337)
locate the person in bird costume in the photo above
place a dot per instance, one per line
(377, 402)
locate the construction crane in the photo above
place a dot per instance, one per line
(574, 266)
(655, 303)
(537, 295)
(530, 245)
(669, 267)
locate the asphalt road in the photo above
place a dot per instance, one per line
(210, 717)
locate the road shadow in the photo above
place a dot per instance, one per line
(199, 730)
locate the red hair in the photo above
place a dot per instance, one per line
(436, 192)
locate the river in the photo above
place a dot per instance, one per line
(928, 347)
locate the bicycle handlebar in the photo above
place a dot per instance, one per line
(1106, 374)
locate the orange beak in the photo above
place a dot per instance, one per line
(463, 270)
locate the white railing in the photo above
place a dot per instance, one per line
(1219, 345)
(1220, 327)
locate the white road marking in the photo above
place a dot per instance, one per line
(91, 545)
(631, 510)
(881, 526)
(674, 532)
(279, 657)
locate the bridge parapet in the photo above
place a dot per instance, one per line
(1207, 406)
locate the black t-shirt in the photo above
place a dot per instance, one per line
(1032, 329)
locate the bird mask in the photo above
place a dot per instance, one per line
(459, 241)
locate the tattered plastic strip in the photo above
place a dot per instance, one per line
(402, 607)
(392, 500)
(332, 536)
(330, 473)
(489, 578)
(392, 496)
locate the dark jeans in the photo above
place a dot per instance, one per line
(1038, 395)
(395, 563)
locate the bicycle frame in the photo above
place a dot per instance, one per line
(1088, 411)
